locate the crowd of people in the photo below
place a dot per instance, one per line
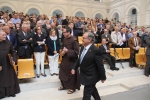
(29, 35)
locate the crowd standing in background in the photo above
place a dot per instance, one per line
(29, 34)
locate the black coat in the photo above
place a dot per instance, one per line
(36, 47)
(65, 22)
(22, 44)
(50, 45)
(103, 52)
(91, 68)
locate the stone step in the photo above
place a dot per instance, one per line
(106, 66)
(122, 73)
(54, 82)
(118, 64)
(107, 88)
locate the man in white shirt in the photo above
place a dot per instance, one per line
(116, 38)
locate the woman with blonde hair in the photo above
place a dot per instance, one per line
(53, 52)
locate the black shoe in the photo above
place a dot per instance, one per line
(12, 95)
(146, 74)
(114, 68)
(56, 74)
(43, 75)
(38, 76)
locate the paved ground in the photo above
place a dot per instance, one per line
(138, 94)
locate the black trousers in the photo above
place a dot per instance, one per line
(111, 61)
(90, 90)
(132, 59)
(147, 68)
(116, 46)
(124, 45)
(26, 54)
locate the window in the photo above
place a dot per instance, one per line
(98, 0)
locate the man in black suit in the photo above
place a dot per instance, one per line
(65, 21)
(24, 43)
(106, 55)
(91, 67)
(10, 37)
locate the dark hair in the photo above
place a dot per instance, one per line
(68, 29)
(70, 23)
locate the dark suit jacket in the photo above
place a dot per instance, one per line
(103, 52)
(22, 44)
(131, 44)
(50, 45)
(91, 68)
(13, 40)
(65, 22)
(36, 47)
(148, 46)
(99, 39)
(143, 40)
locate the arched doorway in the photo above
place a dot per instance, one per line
(115, 17)
(57, 12)
(99, 16)
(79, 14)
(33, 11)
(5, 8)
(133, 17)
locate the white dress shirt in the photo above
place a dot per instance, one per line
(87, 48)
(8, 37)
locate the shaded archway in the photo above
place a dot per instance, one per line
(57, 12)
(33, 11)
(116, 15)
(79, 14)
(133, 16)
(5, 8)
(99, 16)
